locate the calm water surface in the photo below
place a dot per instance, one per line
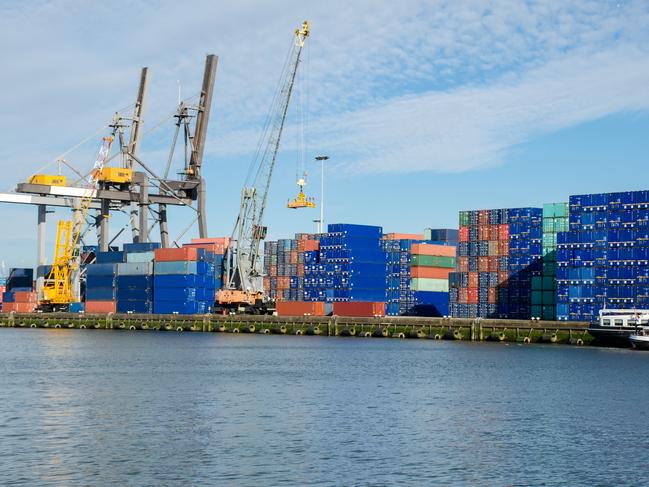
(81, 407)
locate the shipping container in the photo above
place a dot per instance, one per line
(359, 309)
(301, 308)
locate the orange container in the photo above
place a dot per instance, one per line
(463, 234)
(430, 272)
(472, 295)
(483, 217)
(484, 231)
(293, 257)
(310, 245)
(462, 295)
(216, 240)
(359, 308)
(101, 307)
(403, 236)
(473, 279)
(300, 245)
(503, 232)
(283, 282)
(492, 295)
(300, 270)
(266, 281)
(25, 297)
(273, 270)
(431, 249)
(212, 247)
(493, 232)
(300, 308)
(483, 264)
(463, 264)
(503, 247)
(181, 254)
(493, 263)
(503, 279)
(18, 307)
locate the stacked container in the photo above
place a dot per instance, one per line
(498, 254)
(430, 267)
(184, 281)
(352, 266)
(215, 247)
(544, 288)
(448, 236)
(603, 260)
(284, 262)
(134, 279)
(100, 295)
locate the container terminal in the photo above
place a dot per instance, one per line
(542, 273)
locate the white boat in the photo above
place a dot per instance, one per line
(615, 326)
(640, 339)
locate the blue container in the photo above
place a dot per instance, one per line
(178, 294)
(133, 293)
(143, 281)
(134, 306)
(101, 269)
(140, 247)
(100, 294)
(180, 307)
(182, 267)
(77, 307)
(178, 280)
(135, 269)
(100, 281)
(109, 257)
(8, 297)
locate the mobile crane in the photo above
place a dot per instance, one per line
(243, 288)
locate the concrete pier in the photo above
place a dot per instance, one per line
(518, 331)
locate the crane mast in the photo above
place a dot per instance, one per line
(243, 267)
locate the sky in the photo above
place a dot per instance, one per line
(425, 108)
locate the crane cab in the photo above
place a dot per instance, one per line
(115, 175)
(48, 180)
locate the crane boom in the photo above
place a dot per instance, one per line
(243, 267)
(58, 288)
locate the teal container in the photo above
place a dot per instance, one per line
(537, 283)
(548, 283)
(537, 299)
(135, 269)
(549, 298)
(549, 312)
(537, 311)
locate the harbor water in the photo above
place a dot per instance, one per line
(83, 407)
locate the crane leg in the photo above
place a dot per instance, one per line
(41, 259)
(202, 216)
(164, 230)
(103, 225)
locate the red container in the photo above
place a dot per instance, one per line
(462, 296)
(473, 279)
(359, 308)
(212, 247)
(463, 264)
(101, 307)
(310, 245)
(293, 257)
(503, 279)
(431, 249)
(503, 247)
(430, 272)
(492, 295)
(283, 282)
(493, 263)
(483, 217)
(300, 308)
(215, 240)
(484, 231)
(503, 232)
(181, 254)
(300, 270)
(403, 236)
(483, 264)
(472, 295)
(300, 245)
(493, 232)
(25, 297)
(463, 234)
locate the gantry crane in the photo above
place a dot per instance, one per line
(60, 287)
(243, 286)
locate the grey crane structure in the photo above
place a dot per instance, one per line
(244, 260)
(148, 195)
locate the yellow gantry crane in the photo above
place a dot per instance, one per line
(59, 287)
(301, 201)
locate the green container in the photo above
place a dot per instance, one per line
(549, 312)
(561, 225)
(549, 268)
(549, 297)
(537, 283)
(561, 210)
(549, 283)
(433, 261)
(548, 225)
(432, 285)
(548, 210)
(549, 254)
(549, 239)
(464, 218)
(537, 298)
(537, 311)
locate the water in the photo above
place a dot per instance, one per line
(133, 408)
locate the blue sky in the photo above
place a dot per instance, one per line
(425, 108)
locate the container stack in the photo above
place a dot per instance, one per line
(603, 260)
(216, 247)
(100, 296)
(398, 295)
(430, 268)
(352, 266)
(447, 236)
(18, 294)
(284, 262)
(134, 278)
(498, 254)
(183, 281)
(544, 287)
